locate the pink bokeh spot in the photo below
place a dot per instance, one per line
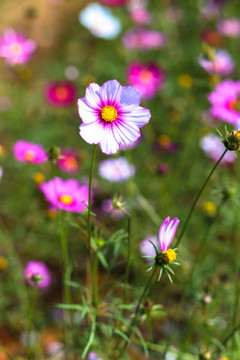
(29, 152)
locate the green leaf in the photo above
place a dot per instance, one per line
(91, 338)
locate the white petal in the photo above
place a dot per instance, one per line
(110, 92)
(125, 133)
(86, 113)
(91, 133)
(92, 96)
(130, 98)
(139, 116)
(108, 144)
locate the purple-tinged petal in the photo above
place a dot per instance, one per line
(170, 232)
(125, 133)
(87, 113)
(92, 96)
(139, 116)
(110, 92)
(129, 99)
(108, 144)
(162, 232)
(92, 133)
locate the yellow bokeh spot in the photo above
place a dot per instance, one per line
(109, 113)
(88, 79)
(168, 256)
(25, 73)
(209, 208)
(185, 81)
(3, 263)
(52, 213)
(215, 79)
(2, 151)
(164, 140)
(174, 116)
(66, 199)
(38, 177)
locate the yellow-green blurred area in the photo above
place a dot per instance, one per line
(201, 307)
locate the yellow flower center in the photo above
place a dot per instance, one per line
(168, 256)
(3, 263)
(235, 105)
(66, 199)
(109, 113)
(16, 49)
(29, 155)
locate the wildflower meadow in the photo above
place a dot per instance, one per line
(119, 180)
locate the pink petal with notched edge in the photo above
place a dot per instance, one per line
(167, 231)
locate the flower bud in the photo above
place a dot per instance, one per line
(232, 140)
(53, 153)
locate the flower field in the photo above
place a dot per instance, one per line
(119, 179)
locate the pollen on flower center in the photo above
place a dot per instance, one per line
(66, 199)
(109, 113)
(168, 256)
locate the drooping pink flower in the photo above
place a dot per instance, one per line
(167, 232)
(116, 170)
(229, 27)
(146, 78)
(221, 64)
(111, 115)
(67, 195)
(37, 274)
(60, 93)
(113, 2)
(68, 161)
(225, 100)
(29, 152)
(214, 148)
(143, 39)
(15, 48)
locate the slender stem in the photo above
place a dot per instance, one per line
(198, 196)
(135, 317)
(129, 253)
(90, 255)
(32, 305)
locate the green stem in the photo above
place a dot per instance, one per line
(90, 255)
(135, 317)
(236, 302)
(198, 196)
(32, 305)
(129, 253)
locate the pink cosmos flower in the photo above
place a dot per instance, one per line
(29, 152)
(37, 274)
(147, 79)
(113, 2)
(221, 64)
(229, 27)
(214, 148)
(225, 100)
(167, 232)
(140, 15)
(111, 115)
(107, 207)
(147, 248)
(68, 161)
(116, 169)
(15, 48)
(60, 93)
(67, 195)
(144, 39)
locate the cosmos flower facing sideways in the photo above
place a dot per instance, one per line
(221, 63)
(29, 152)
(15, 48)
(111, 115)
(166, 255)
(37, 274)
(225, 100)
(67, 195)
(68, 161)
(116, 170)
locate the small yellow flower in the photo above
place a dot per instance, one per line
(209, 208)
(38, 177)
(174, 116)
(164, 140)
(185, 81)
(3, 263)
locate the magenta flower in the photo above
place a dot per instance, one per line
(15, 48)
(61, 93)
(29, 152)
(229, 27)
(67, 195)
(144, 39)
(111, 115)
(225, 100)
(167, 232)
(68, 161)
(214, 148)
(221, 64)
(116, 170)
(37, 274)
(113, 2)
(147, 79)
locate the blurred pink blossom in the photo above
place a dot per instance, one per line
(221, 64)
(37, 274)
(116, 170)
(68, 161)
(29, 152)
(214, 148)
(144, 39)
(60, 93)
(229, 27)
(15, 48)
